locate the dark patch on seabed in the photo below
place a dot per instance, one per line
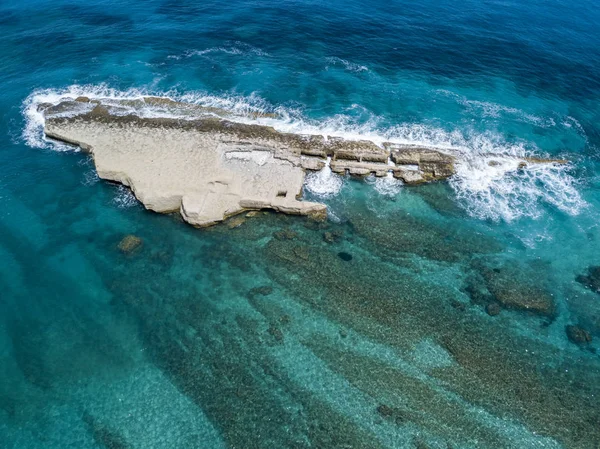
(346, 257)
(284, 344)
(103, 435)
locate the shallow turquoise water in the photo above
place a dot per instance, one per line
(262, 335)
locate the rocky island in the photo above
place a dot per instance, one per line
(209, 167)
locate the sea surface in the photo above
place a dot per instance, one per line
(430, 316)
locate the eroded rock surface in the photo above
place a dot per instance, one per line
(206, 169)
(209, 168)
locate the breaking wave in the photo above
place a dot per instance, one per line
(324, 183)
(491, 186)
(488, 183)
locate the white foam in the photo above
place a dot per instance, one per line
(34, 120)
(350, 66)
(90, 177)
(324, 183)
(387, 186)
(226, 50)
(496, 192)
(496, 110)
(124, 198)
(489, 184)
(238, 48)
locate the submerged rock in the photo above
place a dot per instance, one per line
(328, 237)
(129, 244)
(493, 309)
(285, 234)
(392, 413)
(276, 333)
(591, 280)
(529, 298)
(333, 236)
(512, 287)
(263, 290)
(458, 305)
(346, 257)
(385, 410)
(301, 252)
(578, 335)
(236, 222)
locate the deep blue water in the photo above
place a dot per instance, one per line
(257, 338)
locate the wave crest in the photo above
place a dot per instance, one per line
(350, 66)
(237, 49)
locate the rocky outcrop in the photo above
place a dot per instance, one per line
(361, 151)
(432, 164)
(357, 168)
(209, 168)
